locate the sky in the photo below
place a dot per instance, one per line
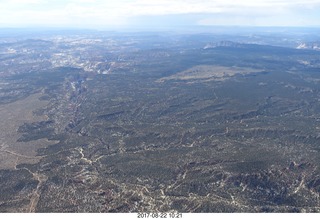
(109, 14)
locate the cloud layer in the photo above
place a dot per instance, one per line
(112, 13)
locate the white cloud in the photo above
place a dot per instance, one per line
(120, 12)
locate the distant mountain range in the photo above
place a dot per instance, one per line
(232, 44)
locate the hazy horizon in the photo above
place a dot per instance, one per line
(158, 14)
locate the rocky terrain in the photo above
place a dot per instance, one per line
(139, 123)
